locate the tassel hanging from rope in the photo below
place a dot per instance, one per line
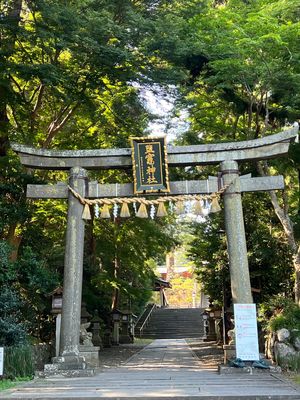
(182, 204)
(105, 212)
(125, 213)
(198, 210)
(215, 206)
(86, 214)
(179, 208)
(161, 210)
(142, 211)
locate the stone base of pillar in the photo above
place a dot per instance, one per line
(71, 366)
(91, 355)
(55, 370)
(229, 352)
(226, 370)
(69, 362)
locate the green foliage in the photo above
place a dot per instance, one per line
(18, 362)
(10, 383)
(12, 329)
(7, 268)
(70, 72)
(280, 312)
(24, 300)
(123, 249)
(269, 257)
(290, 363)
(68, 80)
(208, 251)
(13, 207)
(244, 67)
(181, 292)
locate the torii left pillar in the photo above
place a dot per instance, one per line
(73, 270)
(235, 233)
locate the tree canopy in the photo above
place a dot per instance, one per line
(70, 76)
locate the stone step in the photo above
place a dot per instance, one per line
(175, 312)
(168, 333)
(190, 316)
(174, 328)
(163, 329)
(178, 326)
(67, 373)
(181, 331)
(172, 337)
(168, 329)
(175, 323)
(175, 318)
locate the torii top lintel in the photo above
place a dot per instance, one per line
(258, 149)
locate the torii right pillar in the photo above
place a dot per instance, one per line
(235, 233)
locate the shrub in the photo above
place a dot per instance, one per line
(12, 331)
(18, 362)
(279, 312)
(290, 363)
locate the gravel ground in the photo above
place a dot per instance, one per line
(118, 355)
(209, 353)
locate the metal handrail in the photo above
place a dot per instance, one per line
(147, 319)
(140, 316)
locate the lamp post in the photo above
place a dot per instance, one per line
(116, 317)
(126, 327)
(205, 323)
(96, 321)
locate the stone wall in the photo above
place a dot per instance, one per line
(282, 344)
(42, 354)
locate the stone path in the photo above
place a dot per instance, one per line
(165, 369)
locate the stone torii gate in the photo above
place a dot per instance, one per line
(79, 161)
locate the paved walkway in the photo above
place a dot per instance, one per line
(165, 369)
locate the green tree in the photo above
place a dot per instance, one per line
(121, 269)
(66, 82)
(244, 84)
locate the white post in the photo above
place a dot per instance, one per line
(57, 334)
(1, 360)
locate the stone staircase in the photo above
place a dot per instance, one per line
(174, 323)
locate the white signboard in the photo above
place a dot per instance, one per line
(1, 360)
(246, 337)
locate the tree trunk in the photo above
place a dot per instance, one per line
(14, 242)
(7, 48)
(296, 260)
(282, 214)
(116, 292)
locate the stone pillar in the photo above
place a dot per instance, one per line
(235, 233)
(71, 306)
